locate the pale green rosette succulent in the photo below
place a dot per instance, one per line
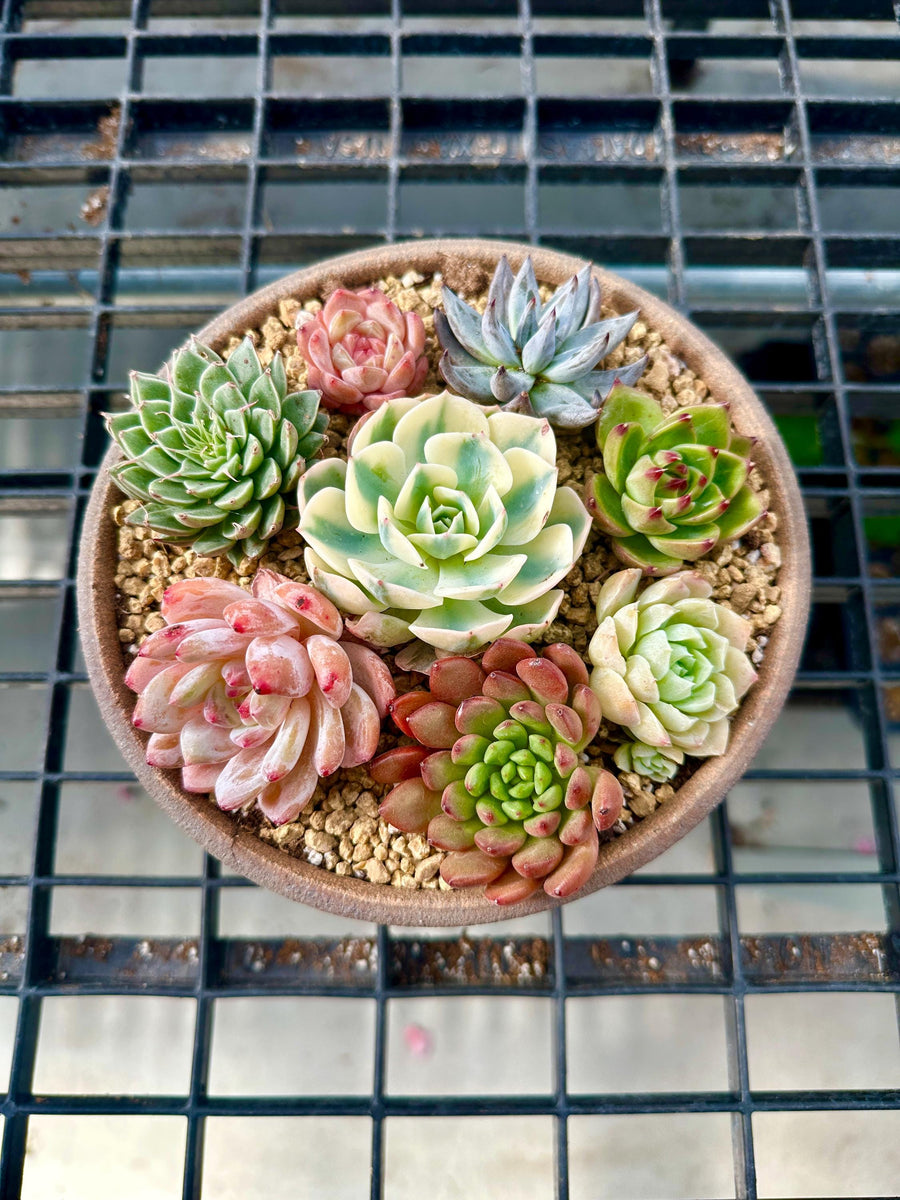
(669, 665)
(659, 763)
(445, 524)
(213, 450)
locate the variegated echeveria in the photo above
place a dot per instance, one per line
(670, 663)
(445, 524)
(671, 486)
(534, 357)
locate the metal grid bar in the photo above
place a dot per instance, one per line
(658, 135)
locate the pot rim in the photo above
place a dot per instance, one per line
(270, 867)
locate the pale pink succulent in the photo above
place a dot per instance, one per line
(254, 695)
(362, 350)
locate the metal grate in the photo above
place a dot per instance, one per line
(161, 159)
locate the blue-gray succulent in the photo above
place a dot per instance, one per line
(536, 358)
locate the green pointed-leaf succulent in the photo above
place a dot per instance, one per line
(672, 487)
(536, 358)
(669, 664)
(445, 524)
(214, 450)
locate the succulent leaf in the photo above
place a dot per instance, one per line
(448, 339)
(562, 406)
(479, 382)
(595, 386)
(537, 359)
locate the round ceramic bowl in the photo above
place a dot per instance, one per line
(242, 851)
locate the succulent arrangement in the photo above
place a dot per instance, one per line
(214, 450)
(536, 357)
(438, 540)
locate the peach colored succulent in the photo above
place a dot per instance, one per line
(362, 350)
(254, 695)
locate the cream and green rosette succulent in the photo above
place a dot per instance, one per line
(669, 664)
(445, 524)
(659, 763)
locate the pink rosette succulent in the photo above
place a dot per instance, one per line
(254, 695)
(362, 350)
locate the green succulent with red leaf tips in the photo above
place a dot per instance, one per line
(672, 487)
(499, 778)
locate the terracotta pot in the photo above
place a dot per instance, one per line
(274, 869)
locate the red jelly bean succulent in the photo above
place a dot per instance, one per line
(497, 774)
